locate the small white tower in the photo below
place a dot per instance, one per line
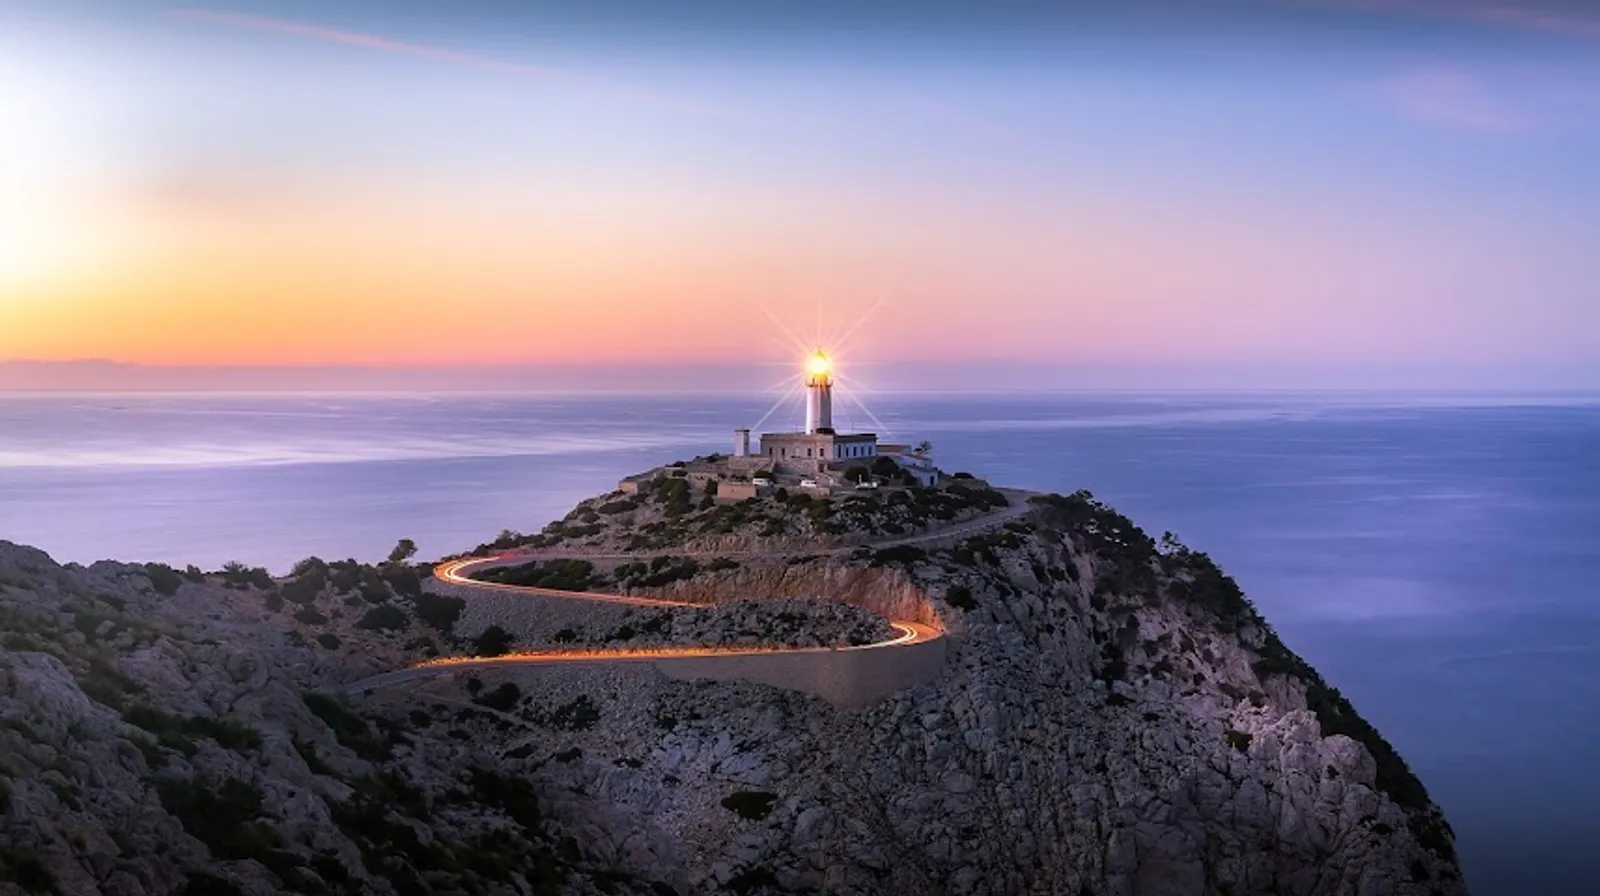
(819, 394)
(741, 443)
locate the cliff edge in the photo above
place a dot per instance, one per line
(1113, 717)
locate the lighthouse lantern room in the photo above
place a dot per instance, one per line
(819, 445)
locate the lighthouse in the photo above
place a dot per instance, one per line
(819, 394)
(820, 445)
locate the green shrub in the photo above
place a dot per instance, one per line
(404, 550)
(755, 879)
(384, 617)
(350, 730)
(662, 570)
(241, 577)
(900, 555)
(313, 759)
(303, 589)
(26, 871)
(329, 640)
(330, 869)
(512, 795)
(202, 884)
(104, 684)
(560, 575)
(960, 597)
(225, 817)
(439, 612)
(494, 641)
(178, 733)
(310, 616)
(1239, 740)
(163, 578)
(404, 580)
(578, 715)
(344, 575)
(504, 698)
(751, 804)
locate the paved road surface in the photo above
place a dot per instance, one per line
(458, 573)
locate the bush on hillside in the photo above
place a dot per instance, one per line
(163, 578)
(439, 611)
(383, 618)
(494, 641)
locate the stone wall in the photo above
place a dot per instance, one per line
(882, 590)
(849, 676)
(533, 616)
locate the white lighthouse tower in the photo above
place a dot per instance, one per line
(819, 394)
(820, 446)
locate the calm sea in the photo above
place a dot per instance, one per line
(1435, 558)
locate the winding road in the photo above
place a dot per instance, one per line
(458, 574)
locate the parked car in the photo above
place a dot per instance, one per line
(760, 482)
(868, 483)
(808, 483)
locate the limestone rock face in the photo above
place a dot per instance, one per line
(1113, 718)
(185, 742)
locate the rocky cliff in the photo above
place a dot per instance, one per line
(1114, 718)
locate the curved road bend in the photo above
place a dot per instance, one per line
(457, 572)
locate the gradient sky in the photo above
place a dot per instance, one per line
(1301, 184)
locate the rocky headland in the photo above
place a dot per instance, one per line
(1112, 717)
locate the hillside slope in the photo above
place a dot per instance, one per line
(1114, 718)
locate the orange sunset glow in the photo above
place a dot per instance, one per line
(202, 187)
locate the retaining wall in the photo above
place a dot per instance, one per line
(850, 676)
(844, 677)
(531, 616)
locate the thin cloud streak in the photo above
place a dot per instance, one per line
(1519, 17)
(550, 74)
(1452, 99)
(1535, 20)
